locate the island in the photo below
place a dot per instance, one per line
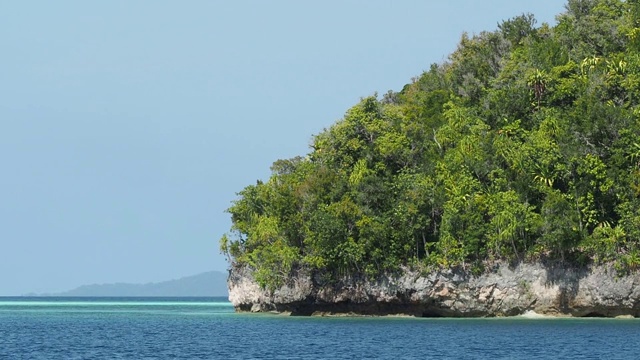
(207, 284)
(504, 180)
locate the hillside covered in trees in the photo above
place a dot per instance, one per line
(523, 146)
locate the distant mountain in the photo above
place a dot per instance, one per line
(212, 283)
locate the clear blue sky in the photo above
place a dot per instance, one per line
(128, 126)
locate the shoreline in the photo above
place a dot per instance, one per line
(529, 315)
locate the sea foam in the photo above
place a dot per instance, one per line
(530, 314)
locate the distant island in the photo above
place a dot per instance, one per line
(212, 283)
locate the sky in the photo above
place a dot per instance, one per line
(128, 127)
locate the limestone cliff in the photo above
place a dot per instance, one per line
(594, 291)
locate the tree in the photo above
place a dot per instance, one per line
(524, 145)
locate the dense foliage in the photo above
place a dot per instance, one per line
(524, 145)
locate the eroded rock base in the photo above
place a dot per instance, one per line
(506, 291)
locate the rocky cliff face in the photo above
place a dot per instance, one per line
(596, 291)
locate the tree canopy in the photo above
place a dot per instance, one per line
(523, 145)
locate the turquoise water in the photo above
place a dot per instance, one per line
(207, 328)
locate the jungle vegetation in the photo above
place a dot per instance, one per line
(524, 145)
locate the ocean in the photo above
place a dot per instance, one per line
(208, 328)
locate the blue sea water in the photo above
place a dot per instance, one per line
(208, 328)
